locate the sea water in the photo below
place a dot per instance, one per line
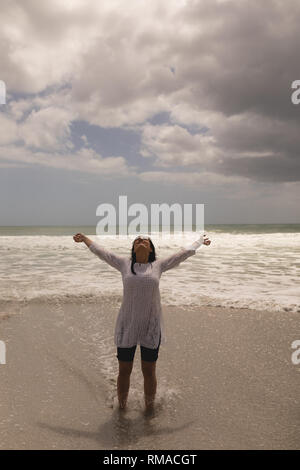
(245, 266)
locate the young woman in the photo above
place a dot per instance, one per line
(140, 318)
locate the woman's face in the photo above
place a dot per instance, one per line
(142, 245)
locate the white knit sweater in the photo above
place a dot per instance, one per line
(140, 319)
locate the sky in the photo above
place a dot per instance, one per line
(180, 101)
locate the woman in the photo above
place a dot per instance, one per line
(140, 318)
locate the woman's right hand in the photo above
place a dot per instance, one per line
(206, 240)
(79, 237)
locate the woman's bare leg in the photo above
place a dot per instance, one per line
(150, 382)
(123, 382)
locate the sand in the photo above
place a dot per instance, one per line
(225, 380)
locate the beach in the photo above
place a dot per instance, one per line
(149, 192)
(225, 379)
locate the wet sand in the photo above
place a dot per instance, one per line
(225, 380)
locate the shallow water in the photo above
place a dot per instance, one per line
(225, 380)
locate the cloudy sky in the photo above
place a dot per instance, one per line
(168, 101)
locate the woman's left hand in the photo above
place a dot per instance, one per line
(206, 240)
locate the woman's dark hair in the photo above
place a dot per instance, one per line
(151, 257)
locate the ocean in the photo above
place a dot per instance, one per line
(246, 266)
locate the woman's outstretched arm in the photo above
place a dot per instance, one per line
(109, 257)
(175, 259)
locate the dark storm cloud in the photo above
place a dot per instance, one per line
(244, 55)
(241, 60)
(267, 168)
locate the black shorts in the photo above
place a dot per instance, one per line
(147, 354)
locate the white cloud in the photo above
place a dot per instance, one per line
(48, 129)
(192, 179)
(8, 128)
(175, 146)
(84, 160)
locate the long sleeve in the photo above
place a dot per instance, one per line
(109, 257)
(198, 243)
(175, 259)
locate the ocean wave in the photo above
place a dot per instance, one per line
(114, 300)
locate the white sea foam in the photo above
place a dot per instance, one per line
(237, 270)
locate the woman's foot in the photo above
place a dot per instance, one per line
(122, 405)
(119, 404)
(149, 402)
(149, 410)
